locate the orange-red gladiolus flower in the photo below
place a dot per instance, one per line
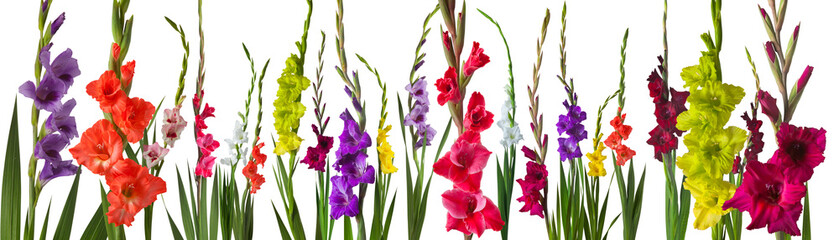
(100, 148)
(106, 90)
(132, 117)
(132, 189)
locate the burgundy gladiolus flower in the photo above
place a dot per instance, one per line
(800, 149)
(316, 156)
(770, 200)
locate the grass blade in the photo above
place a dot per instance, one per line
(65, 222)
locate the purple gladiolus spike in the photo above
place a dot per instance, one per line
(49, 148)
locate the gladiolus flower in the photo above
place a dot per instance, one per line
(471, 213)
(477, 59)
(173, 125)
(249, 171)
(106, 90)
(465, 158)
(477, 118)
(342, 199)
(800, 149)
(132, 117)
(448, 87)
(316, 156)
(770, 200)
(531, 187)
(154, 154)
(132, 189)
(100, 148)
(115, 51)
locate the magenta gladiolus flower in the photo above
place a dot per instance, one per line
(471, 213)
(531, 188)
(477, 59)
(770, 200)
(768, 106)
(800, 149)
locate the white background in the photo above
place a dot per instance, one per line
(386, 32)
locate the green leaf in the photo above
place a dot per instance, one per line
(186, 217)
(65, 222)
(46, 221)
(176, 234)
(214, 214)
(283, 229)
(10, 204)
(95, 229)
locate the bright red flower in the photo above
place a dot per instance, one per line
(132, 117)
(258, 156)
(463, 160)
(127, 73)
(800, 149)
(769, 199)
(106, 90)
(448, 87)
(471, 213)
(99, 149)
(477, 118)
(132, 189)
(477, 59)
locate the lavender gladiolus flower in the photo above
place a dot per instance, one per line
(64, 67)
(57, 169)
(342, 199)
(49, 148)
(60, 121)
(46, 96)
(426, 134)
(418, 92)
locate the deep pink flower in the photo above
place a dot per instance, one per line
(531, 188)
(471, 213)
(448, 87)
(477, 118)
(770, 200)
(800, 149)
(477, 59)
(464, 159)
